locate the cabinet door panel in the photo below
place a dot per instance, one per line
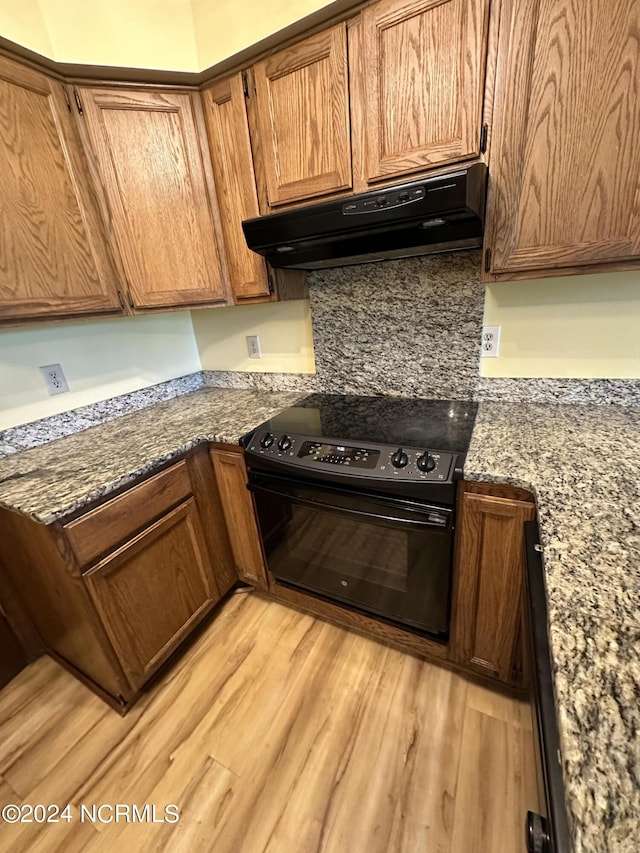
(149, 157)
(489, 566)
(565, 187)
(303, 118)
(231, 476)
(423, 80)
(152, 591)
(53, 247)
(228, 127)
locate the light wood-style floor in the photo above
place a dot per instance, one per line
(276, 732)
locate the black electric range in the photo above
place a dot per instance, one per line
(355, 501)
(410, 447)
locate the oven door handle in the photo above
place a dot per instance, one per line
(441, 524)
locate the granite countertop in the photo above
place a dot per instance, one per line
(582, 463)
(55, 479)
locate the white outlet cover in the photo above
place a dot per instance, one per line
(253, 346)
(490, 343)
(54, 379)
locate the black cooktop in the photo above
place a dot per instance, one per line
(443, 424)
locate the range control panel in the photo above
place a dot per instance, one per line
(379, 461)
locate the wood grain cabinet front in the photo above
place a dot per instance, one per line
(153, 590)
(149, 147)
(114, 592)
(564, 194)
(487, 601)
(231, 476)
(417, 76)
(303, 118)
(54, 256)
(228, 126)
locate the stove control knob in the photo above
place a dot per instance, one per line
(284, 443)
(426, 462)
(399, 459)
(266, 440)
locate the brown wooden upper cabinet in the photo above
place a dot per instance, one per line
(154, 171)
(302, 96)
(419, 82)
(228, 127)
(565, 158)
(54, 258)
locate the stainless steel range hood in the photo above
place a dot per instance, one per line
(438, 214)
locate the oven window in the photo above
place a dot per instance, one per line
(357, 551)
(361, 555)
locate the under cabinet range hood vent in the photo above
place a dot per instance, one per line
(438, 214)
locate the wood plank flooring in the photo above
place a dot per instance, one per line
(275, 732)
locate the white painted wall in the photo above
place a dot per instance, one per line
(22, 21)
(285, 335)
(225, 27)
(101, 359)
(584, 326)
(176, 35)
(140, 34)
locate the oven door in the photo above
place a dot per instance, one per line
(383, 555)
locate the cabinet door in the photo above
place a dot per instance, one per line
(303, 118)
(53, 247)
(153, 590)
(148, 154)
(565, 159)
(231, 476)
(423, 69)
(226, 115)
(488, 604)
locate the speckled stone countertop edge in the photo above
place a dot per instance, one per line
(108, 490)
(148, 470)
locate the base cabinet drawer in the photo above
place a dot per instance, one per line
(153, 590)
(100, 530)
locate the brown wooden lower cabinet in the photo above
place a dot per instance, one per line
(231, 476)
(153, 589)
(115, 591)
(486, 633)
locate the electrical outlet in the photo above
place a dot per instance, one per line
(253, 346)
(54, 379)
(490, 341)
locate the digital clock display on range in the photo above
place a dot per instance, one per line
(339, 454)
